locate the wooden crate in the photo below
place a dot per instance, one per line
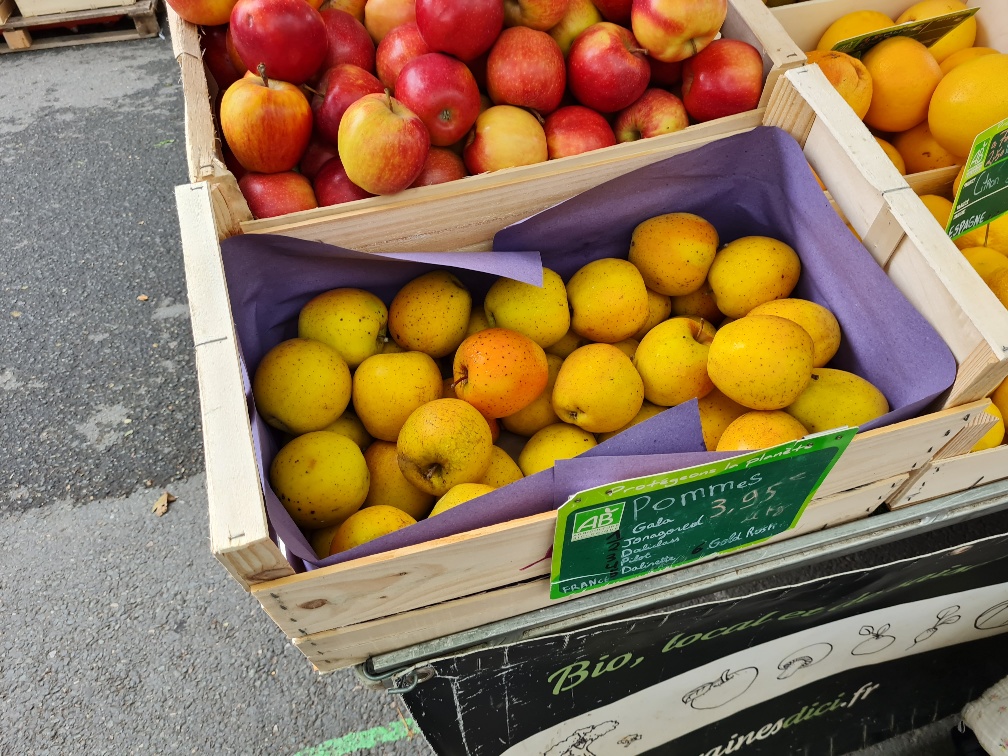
(341, 614)
(32, 8)
(135, 20)
(500, 197)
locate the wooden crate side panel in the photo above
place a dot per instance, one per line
(239, 534)
(992, 24)
(955, 474)
(482, 205)
(895, 449)
(932, 273)
(344, 647)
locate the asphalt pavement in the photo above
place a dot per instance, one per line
(119, 632)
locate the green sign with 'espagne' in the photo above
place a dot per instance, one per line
(624, 530)
(982, 195)
(927, 32)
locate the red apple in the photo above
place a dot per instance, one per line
(236, 60)
(267, 123)
(318, 153)
(442, 91)
(442, 165)
(617, 11)
(504, 137)
(213, 40)
(606, 68)
(382, 16)
(332, 187)
(349, 41)
(724, 78)
(383, 144)
(203, 12)
(397, 48)
(534, 14)
(574, 129)
(272, 194)
(664, 74)
(674, 30)
(579, 16)
(526, 68)
(288, 36)
(342, 86)
(464, 29)
(655, 112)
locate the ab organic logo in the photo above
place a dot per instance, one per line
(596, 522)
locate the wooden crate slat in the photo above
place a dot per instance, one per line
(18, 36)
(343, 647)
(239, 534)
(81, 16)
(955, 474)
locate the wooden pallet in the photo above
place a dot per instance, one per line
(84, 27)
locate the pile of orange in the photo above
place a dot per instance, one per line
(925, 105)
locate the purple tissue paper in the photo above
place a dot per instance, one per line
(755, 183)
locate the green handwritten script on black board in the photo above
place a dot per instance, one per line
(927, 32)
(982, 195)
(635, 527)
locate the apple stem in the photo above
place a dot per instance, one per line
(314, 91)
(638, 50)
(388, 98)
(261, 69)
(538, 117)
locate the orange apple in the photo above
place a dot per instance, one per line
(267, 123)
(203, 12)
(382, 16)
(674, 30)
(499, 371)
(504, 136)
(534, 14)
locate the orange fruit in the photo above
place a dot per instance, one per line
(971, 98)
(998, 282)
(904, 76)
(893, 154)
(960, 38)
(848, 76)
(964, 56)
(993, 235)
(920, 151)
(958, 180)
(985, 260)
(853, 25)
(939, 207)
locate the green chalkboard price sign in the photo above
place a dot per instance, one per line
(927, 32)
(635, 527)
(982, 197)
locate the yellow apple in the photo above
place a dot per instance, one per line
(301, 386)
(388, 387)
(539, 312)
(759, 429)
(628, 347)
(443, 443)
(539, 413)
(430, 314)
(389, 486)
(750, 271)
(995, 435)
(349, 425)
(502, 470)
(836, 398)
(699, 304)
(608, 300)
(321, 478)
(351, 321)
(321, 540)
(659, 308)
(477, 321)
(717, 412)
(672, 361)
(459, 494)
(567, 344)
(557, 441)
(367, 525)
(820, 323)
(647, 411)
(674, 252)
(762, 362)
(598, 389)
(579, 16)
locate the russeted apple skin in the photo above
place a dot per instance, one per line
(443, 443)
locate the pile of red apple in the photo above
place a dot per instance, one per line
(365, 97)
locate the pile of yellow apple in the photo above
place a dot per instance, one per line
(432, 378)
